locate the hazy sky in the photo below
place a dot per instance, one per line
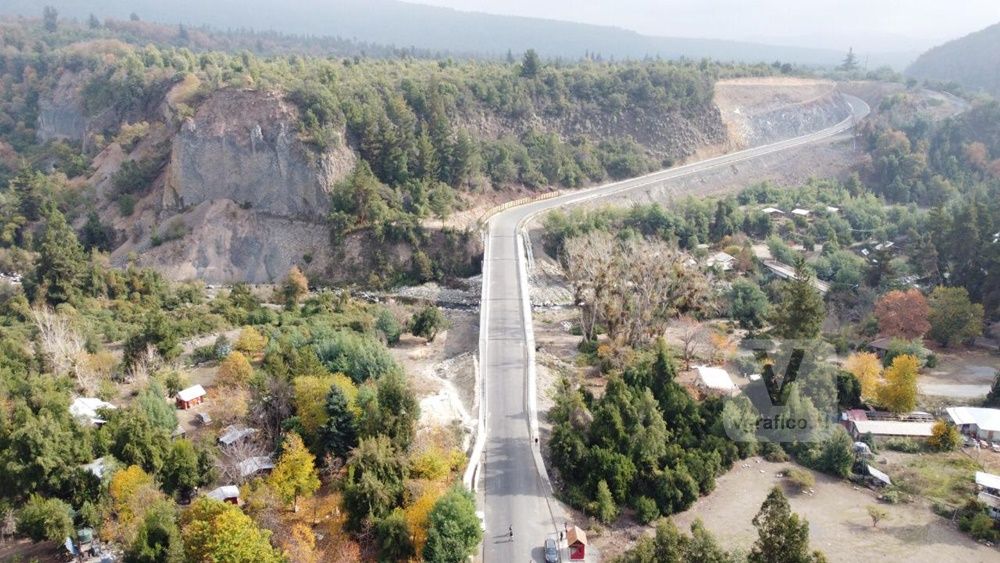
(866, 24)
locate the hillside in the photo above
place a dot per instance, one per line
(391, 22)
(234, 167)
(970, 61)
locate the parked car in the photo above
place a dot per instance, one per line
(551, 551)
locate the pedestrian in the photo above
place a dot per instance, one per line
(510, 530)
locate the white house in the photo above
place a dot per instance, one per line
(801, 212)
(716, 380)
(85, 409)
(883, 429)
(980, 422)
(225, 493)
(721, 259)
(989, 492)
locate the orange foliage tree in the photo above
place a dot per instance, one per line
(903, 314)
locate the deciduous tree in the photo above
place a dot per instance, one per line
(898, 392)
(953, 317)
(903, 314)
(294, 475)
(867, 368)
(234, 372)
(454, 528)
(944, 436)
(218, 531)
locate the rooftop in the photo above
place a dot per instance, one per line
(224, 492)
(87, 407)
(894, 428)
(879, 475)
(191, 393)
(985, 419)
(988, 480)
(715, 378)
(255, 465)
(234, 433)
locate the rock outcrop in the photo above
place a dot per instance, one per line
(242, 146)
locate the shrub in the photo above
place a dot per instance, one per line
(386, 323)
(800, 479)
(905, 445)
(773, 452)
(427, 323)
(646, 510)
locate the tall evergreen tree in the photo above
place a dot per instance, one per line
(782, 536)
(339, 435)
(61, 262)
(799, 312)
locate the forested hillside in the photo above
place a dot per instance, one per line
(323, 161)
(970, 61)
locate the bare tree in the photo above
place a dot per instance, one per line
(61, 346)
(692, 336)
(632, 287)
(232, 457)
(144, 366)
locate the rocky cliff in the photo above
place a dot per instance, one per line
(758, 111)
(239, 197)
(241, 146)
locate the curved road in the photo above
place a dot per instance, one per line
(516, 490)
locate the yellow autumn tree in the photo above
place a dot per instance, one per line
(311, 392)
(898, 391)
(418, 514)
(294, 475)
(250, 342)
(867, 368)
(235, 371)
(132, 491)
(300, 544)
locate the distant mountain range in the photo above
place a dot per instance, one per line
(972, 61)
(402, 24)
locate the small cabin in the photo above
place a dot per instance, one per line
(228, 493)
(190, 397)
(576, 539)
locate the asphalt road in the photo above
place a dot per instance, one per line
(516, 490)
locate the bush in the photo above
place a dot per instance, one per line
(980, 526)
(773, 452)
(386, 323)
(800, 479)
(905, 445)
(427, 323)
(45, 519)
(646, 510)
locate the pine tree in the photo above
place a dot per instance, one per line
(61, 262)
(850, 61)
(530, 64)
(339, 435)
(782, 536)
(800, 311)
(993, 397)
